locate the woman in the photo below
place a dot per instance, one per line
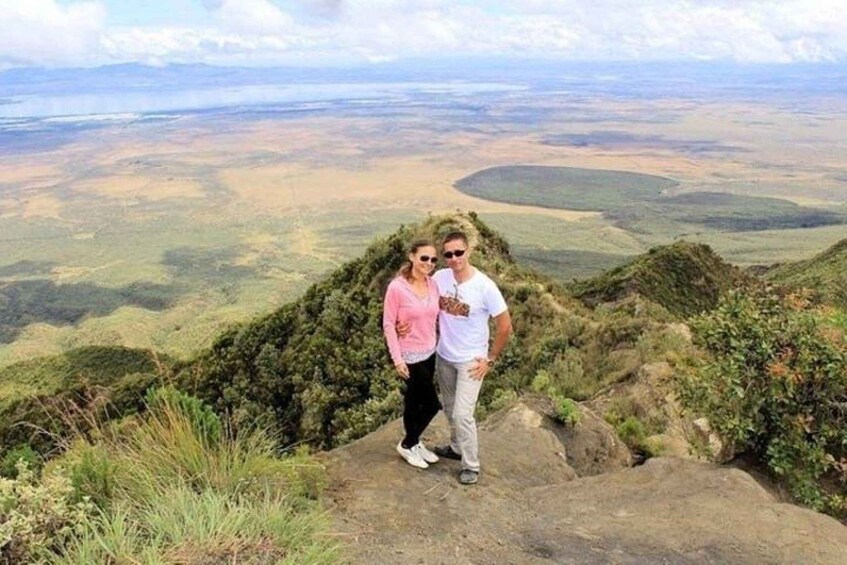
(412, 297)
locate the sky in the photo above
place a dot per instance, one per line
(86, 33)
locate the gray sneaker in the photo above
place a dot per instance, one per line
(468, 477)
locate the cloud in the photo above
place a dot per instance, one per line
(252, 17)
(44, 32)
(316, 32)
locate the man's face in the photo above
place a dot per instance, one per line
(456, 254)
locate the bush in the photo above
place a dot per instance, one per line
(775, 384)
(91, 471)
(567, 411)
(171, 496)
(37, 517)
(207, 425)
(25, 453)
(632, 432)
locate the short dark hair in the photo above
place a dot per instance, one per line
(454, 236)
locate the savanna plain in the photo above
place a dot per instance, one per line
(157, 231)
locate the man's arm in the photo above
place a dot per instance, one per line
(502, 331)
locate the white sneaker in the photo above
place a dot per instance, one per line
(411, 456)
(425, 453)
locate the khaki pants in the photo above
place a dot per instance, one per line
(459, 393)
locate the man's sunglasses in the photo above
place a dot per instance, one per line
(425, 258)
(457, 253)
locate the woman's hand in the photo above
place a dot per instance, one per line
(402, 370)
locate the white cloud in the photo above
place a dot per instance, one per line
(316, 31)
(252, 17)
(43, 32)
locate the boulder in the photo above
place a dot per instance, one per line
(529, 506)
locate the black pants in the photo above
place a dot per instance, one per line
(421, 400)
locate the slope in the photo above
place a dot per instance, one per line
(825, 274)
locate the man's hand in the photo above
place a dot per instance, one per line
(402, 370)
(480, 368)
(403, 328)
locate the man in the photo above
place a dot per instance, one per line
(468, 298)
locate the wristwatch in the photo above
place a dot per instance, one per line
(491, 361)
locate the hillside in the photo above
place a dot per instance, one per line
(686, 278)
(316, 370)
(825, 274)
(44, 399)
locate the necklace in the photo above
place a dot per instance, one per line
(414, 289)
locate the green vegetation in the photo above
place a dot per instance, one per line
(157, 280)
(637, 202)
(45, 400)
(37, 518)
(302, 372)
(567, 411)
(41, 300)
(721, 212)
(685, 278)
(825, 275)
(93, 366)
(568, 188)
(774, 384)
(156, 489)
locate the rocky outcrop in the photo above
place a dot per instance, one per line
(590, 447)
(649, 396)
(531, 506)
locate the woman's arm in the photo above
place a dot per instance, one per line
(390, 314)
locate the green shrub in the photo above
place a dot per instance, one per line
(37, 517)
(174, 497)
(775, 384)
(501, 398)
(632, 432)
(541, 382)
(92, 472)
(567, 411)
(206, 423)
(25, 453)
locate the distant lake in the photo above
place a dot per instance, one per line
(145, 102)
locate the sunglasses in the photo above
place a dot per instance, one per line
(457, 253)
(425, 258)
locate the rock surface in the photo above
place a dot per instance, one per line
(531, 506)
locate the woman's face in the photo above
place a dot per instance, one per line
(423, 260)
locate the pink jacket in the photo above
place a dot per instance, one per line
(401, 303)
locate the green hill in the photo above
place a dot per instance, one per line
(686, 278)
(44, 399)
(317, 371)
(93, 365)
(825, 274)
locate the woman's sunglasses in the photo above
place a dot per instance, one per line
(425, 258)
(457, 253)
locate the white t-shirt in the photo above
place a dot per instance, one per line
(464, 312)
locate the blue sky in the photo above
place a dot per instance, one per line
(66, 33)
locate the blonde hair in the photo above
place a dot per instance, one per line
(406, 269)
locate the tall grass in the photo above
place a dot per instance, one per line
(168, 491)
